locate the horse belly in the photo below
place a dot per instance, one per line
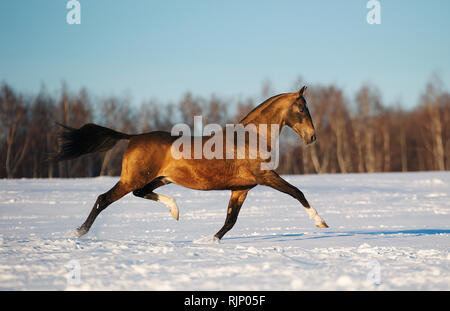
(209, 174)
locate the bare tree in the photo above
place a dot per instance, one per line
(41, 128)
(339, 121)
(188, 108)
(368, 101)
(320, 153)
(215, 111)
(433, 125)
(243, 108)
(13, 120)
(116, 114)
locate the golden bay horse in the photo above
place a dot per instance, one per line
(151, 160)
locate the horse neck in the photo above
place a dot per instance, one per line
(269, 115)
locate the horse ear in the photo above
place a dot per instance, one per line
(301, 92)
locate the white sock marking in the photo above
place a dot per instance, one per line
(167, 201)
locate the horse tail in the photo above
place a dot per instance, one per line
(89, 138)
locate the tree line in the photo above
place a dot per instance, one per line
(354, 134)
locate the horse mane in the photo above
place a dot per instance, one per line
(256, 112)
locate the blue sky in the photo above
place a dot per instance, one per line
(161, 49)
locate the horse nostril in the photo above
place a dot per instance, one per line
(313, 138)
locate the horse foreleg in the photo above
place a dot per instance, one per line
(273, 180)
(234, 206)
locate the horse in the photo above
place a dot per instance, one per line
(149, 162)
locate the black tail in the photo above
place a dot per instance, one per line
(89, 138)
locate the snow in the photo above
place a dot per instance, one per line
(387, 231)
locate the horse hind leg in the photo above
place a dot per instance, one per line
(103, 201)
(147, 193)
(167, 201)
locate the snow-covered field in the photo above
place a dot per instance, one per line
(387, 232)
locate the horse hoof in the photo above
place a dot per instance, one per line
(207, 240)
(175, 213)
(81, 231)
(322, 225)
(75, 233)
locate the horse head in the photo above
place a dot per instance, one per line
(298, 117)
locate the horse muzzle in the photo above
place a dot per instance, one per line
(307, 140)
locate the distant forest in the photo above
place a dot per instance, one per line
(354, 134)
